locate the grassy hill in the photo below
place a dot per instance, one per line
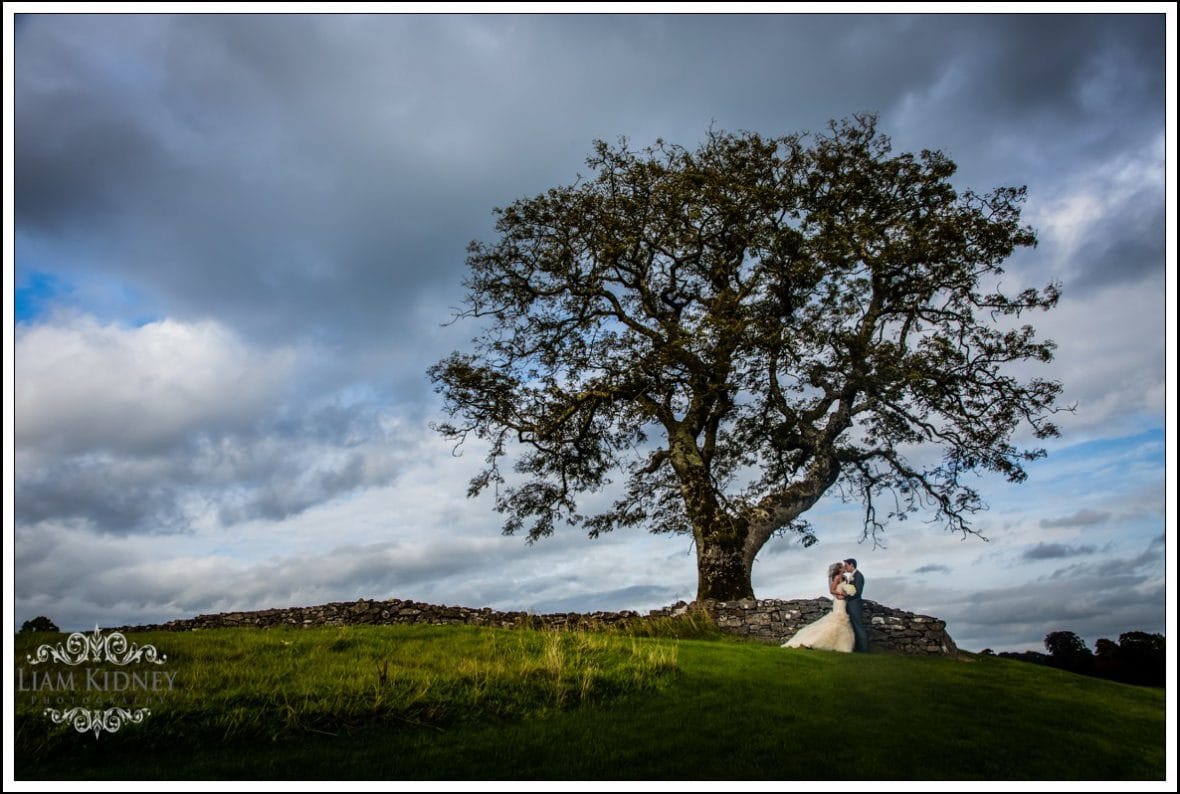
(466, 703)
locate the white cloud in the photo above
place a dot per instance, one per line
(161, 427)
(1109, 358)
(81, 385)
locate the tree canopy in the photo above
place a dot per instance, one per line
(738, 328)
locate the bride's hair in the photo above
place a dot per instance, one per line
(834, 569)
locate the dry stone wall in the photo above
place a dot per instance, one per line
(765, 620)
(890, 630)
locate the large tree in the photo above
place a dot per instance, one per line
(739, 328)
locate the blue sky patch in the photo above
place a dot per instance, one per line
(37, 294)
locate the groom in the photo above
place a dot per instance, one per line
(853, 605)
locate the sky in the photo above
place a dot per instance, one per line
(237, 241)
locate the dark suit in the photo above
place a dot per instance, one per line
(855, 616)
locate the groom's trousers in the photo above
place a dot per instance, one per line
(856, 618)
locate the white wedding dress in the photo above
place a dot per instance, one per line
(832, 632)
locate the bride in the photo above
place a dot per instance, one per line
(832, 632)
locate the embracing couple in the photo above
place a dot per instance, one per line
(842, 629)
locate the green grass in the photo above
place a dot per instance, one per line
(461, 703)
(237, 685)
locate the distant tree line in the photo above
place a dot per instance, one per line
(1137, 658)
(39, 623)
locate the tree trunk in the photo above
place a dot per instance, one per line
(723, 574)
(723, 567)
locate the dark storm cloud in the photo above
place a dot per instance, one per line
(1082, 518)
(1034, 80)
(1050, 551)
(273, 473)
(273, 172)
(319, 175)
(1115, 567)
(1068, 105)
(101, 495)
(1126, 244)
